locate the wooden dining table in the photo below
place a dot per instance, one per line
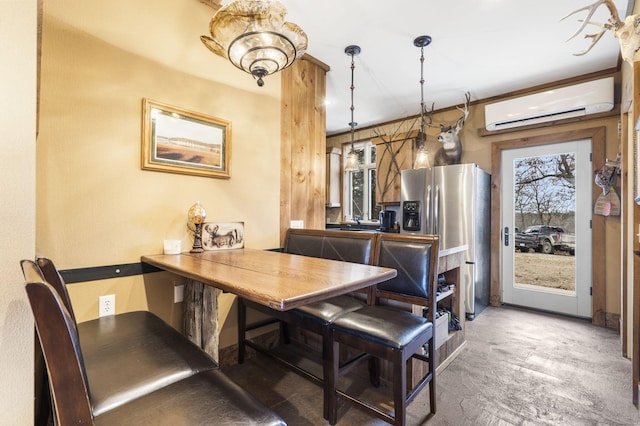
(281, 281)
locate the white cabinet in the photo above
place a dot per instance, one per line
(334, 158)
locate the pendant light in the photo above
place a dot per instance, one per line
(352, 162)
(422, 156)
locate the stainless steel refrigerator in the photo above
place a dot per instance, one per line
(454, 203)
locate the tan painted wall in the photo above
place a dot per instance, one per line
(477, 149)
(17, 209)
(97, 207)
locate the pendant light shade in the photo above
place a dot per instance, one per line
(422, 156)
(352, 162)
(253, 35)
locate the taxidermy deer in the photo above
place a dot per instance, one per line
(627, 31)
(451, 150)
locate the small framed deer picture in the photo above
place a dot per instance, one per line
(222, 235)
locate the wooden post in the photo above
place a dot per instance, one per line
(201, 316)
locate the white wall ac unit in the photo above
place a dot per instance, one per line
(566, 102)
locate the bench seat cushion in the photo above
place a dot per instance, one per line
(207, 398)
(133, 354)
(383, 325)
(314, 315)
(326, 311)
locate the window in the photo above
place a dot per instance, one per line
(360, 185)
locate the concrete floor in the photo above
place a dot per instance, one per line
(517, 368)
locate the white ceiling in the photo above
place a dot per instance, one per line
(486, 47)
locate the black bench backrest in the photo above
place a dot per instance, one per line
(347, 246)
(61, 348)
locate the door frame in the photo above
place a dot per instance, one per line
(597, 136)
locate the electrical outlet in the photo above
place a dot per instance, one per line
(178, 293)
(107, 305)
(297, 224)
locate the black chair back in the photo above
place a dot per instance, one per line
(53, 277)
(415, 258)
(61, 348)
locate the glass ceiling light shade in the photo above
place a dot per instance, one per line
(253, 35)
(352, 162)
(422, 156)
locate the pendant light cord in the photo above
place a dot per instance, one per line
(421, 42)
(352, 51)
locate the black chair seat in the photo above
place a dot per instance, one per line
(383, 325)
(314, 315)
(148, 353)
(327, 311)
(207, 398)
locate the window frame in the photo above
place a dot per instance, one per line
(367, 167)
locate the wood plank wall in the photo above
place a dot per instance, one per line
(303, 145)
(635, 351)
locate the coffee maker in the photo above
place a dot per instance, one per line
(387, 219)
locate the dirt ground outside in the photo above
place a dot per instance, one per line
(545, 270)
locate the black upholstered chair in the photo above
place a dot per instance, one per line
(356, 247)
(389, 332)
(148, 352)
(178, 399)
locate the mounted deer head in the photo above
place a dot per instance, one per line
(627, 31)
(451, 150)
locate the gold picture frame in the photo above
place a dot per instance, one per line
(177, 140)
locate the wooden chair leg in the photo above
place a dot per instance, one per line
(242, 325)
(285, 335)
(374, 371)
(399, 389)
(331, 381)
(432, 371)
(327, 371)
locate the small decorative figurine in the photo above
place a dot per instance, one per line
(196, 216)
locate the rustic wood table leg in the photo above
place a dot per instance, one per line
(201, 316)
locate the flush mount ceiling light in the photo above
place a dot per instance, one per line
(422, 156)
(352, 162)
(255, 38)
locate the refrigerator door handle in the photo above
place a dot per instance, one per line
(428, 222)
(436, 211)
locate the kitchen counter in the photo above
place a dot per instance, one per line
(349, 226)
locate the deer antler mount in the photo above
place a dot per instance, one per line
(627, 31)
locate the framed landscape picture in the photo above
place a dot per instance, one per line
(180, 141)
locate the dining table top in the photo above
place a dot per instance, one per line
(281, 281)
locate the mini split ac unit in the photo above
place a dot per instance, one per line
(572, 101)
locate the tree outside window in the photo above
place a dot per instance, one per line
(360, 185)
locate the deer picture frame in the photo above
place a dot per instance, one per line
(222, 235)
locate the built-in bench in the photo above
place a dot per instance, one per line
(130, 368)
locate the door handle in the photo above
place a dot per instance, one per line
(506, 236)
(428, 228)
(436, 211)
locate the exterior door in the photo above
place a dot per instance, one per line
(546, 227)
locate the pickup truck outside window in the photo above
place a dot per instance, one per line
(545, 239)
